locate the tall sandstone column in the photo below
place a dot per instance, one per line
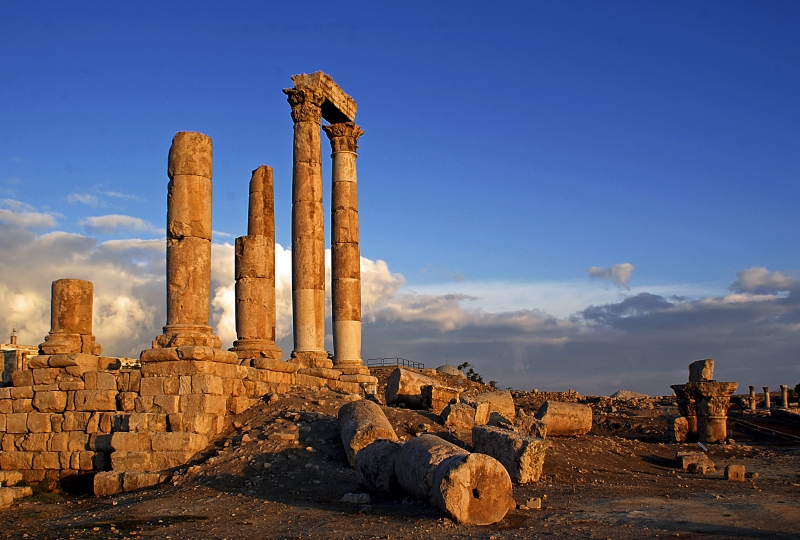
(345, 253)
(188, 243)
(255, 273)
(308, 230)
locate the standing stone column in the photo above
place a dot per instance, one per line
(255, 273)
(753, 398)
(308, 230)
(345, 252)
(188, 243)
(784, 396)
(71, 304)
(767, 404)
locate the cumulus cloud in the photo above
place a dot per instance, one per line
(762, 281)
(115, 223)
(20, 214)
(619, 274)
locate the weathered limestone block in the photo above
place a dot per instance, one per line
(9, 494)
(678, 429)
(405, 386)
(458, 416)
(499, 408)
(96, 400)
(702, 370)
(178, 441)
(17, 423)
(361, 423)
(521, 455)
(699, 460)
(71, 319)
(735, 473)
(438, 397)
(530, 425)
(39, 422)
(50, 401)
(273, 364)
(107, 484)
(473, 489)
(133, 481)
(375, 468)
(565, 419)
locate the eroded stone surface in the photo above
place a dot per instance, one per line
(565, 419)
(361, 423)
(521, 455)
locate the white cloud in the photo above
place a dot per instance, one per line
(84, 198)
(761, 280)
(118, 195)
(114, 223)
(619, 274)
(20, 214)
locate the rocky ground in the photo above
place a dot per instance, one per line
(281, 472)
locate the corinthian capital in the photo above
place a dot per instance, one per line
(306, 104)
(344, 136)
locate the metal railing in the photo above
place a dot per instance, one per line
(380, 362)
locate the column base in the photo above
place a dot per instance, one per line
(256, 348)
(181, 335)
(68, 343)
(312, 359)
(352, 369)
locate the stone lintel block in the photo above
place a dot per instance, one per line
(74, 359)
(38, 361)
(338, 106)
(166, 354)
(358, 378)
(107, 484)
(322, 373)
(190, 153)
(275, 365)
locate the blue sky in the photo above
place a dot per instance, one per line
(508, 148)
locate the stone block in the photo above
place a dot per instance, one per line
(147, 422)
(35, 442)
(239, 404)
(131, 461)
(458, 416)
(10, 442)
(151, 386)
(21, 392)
(98, 380)
(22, 405)
(56, 422)
(50, 401)
(185, 384)
(100, 442)
(361, 423)
(45, 375)
(438, 397)
(204, 424)
(96, 400)
(16, 460)
(167, 403)
(702, 370)
(46, 460)
(277, 377)
(76, 421)
(44, 388)
(107, 483)
(166, 354)
(521, 455)
(374, 466)
(3, 419)
(126, 401)
(22, 377)
(494, 408)
(529, 425)
(133, 481)
(735, 473)
(86, 362)
(565, 419)
(39, 422)
(178, 441)
(206, 384)
(6, 406)
(59, 442)
(677, 429)
(405, 386)
(272, 364)
(130, 441)
(71, 385)
(134, 380)
(171, 385)
(17, 423)
(694, 462)
(86, 460)
(160, 461)
(203, 403)
(77, 441)
(233, 387)
(143, 404)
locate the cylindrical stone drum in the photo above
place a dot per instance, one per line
(374, 466)
(188, 281)
(712, 429)
(361, 423)
(71, 302)
(565, 419)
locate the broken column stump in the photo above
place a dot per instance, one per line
(494, 408)
(565, 419)
(474, 489)
(375, 468)
(361, 423)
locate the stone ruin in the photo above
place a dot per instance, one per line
(72, 411)
(703, 405)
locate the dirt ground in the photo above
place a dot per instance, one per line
(281, 472)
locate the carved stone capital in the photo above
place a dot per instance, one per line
(306, 104)
(343, 136)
